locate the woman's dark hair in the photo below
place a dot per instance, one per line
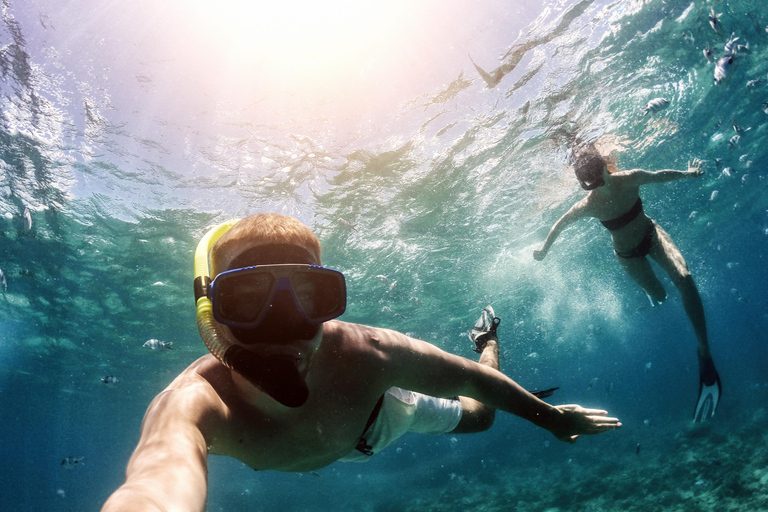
(588, 163)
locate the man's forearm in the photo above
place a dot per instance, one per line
(496, 390)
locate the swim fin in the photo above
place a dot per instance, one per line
(710, 390)
(484, 329)
(543, 393)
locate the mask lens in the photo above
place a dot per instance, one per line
(242, 297)
(320, 293)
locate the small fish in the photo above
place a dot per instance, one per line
(727, 172)
(723, 68)
(743, 48)
(153, 344)
(416, 301)
(688, 37)
(592, 383)
(730, 45)
(3, 282)
(708, 52)
(734, 141)
(71, 462)
(647, 367)
(382, 278)
(346, 224)
(637, 449)
(714, 20)
(655, 105)
(110, 379)
(27, 219)
(544, 393)
(718, 162)
(738, 296)
(753, 83)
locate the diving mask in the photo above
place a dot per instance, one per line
(243, 297)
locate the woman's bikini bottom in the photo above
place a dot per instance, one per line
(642, 249)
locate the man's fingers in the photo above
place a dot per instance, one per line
(603, 424)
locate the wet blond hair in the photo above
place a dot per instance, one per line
(266, 229)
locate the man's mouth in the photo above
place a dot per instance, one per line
(276, 375)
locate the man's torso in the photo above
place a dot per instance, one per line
(345, 381)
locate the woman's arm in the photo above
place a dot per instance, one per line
(641, 177)
(576, 212)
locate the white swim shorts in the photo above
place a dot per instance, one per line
(407, 411)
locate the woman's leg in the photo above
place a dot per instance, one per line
(640, 270)
(669, 257)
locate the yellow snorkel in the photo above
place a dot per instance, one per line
(205, 323)
(276, 376)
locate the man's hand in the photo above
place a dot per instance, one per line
(694, 168)
(576, 420)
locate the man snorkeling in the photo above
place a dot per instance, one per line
(290, 388)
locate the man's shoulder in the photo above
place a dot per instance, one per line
(351, 340)
(340, 332)
(197, 389)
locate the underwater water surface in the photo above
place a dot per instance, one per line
(128, 129)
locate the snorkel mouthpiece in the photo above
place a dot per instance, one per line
(592, 185)
(277, 376)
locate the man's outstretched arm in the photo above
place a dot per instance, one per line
(168, 469)
(423, 367)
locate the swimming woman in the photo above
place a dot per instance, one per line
(614, 199)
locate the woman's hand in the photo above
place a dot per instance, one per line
(694, 168)
(538, 254)
(576, 420)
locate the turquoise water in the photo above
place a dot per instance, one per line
(126, 130)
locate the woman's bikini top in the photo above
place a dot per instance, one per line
(622, 220)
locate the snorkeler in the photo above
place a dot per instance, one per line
(288, 387)
(614, 199)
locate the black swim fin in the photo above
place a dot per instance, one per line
(710, 391)
(484, 329)
(543, 393)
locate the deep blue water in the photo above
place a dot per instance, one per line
(126, 130)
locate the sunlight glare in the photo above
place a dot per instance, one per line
(300, 40)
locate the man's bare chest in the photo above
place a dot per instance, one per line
(296, 440)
